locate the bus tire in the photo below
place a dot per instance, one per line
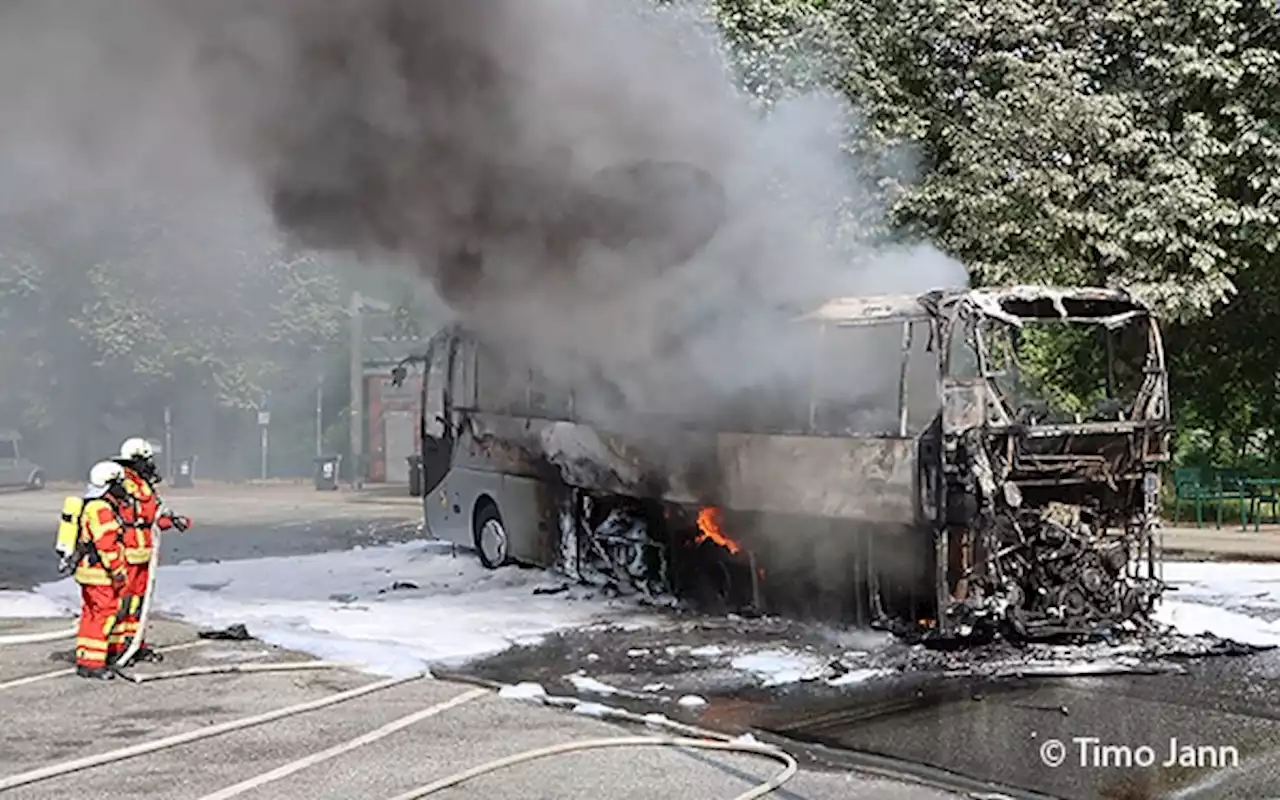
(493, 544)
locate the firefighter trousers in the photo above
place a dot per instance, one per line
(129, 625)
(98, 609)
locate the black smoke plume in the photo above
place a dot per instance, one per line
(580, 180)
(577, 178)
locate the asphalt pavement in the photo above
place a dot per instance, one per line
(231, 522)
(66, 718)
(1229, 708)
(1084, 737)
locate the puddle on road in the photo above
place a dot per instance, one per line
(1116, 737)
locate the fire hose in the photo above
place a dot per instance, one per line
(690, 738)
(789, 770)
(706, 740)
(207, 732)
(153, 566)
(58, 673)
(235, 669)
(37, 638)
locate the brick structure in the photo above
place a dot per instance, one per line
(393, 432)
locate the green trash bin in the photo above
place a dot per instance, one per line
(327, 473)
(184, 473)
(415, 476)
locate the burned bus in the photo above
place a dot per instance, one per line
(960, 464)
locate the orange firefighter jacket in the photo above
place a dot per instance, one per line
(102, 545)
(141, 513)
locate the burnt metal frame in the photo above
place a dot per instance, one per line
(1148, 416)
(957, 314)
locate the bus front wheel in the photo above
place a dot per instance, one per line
(492, 543)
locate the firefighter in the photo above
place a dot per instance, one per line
(143, 511)
(100, 568)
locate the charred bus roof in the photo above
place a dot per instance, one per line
(1014, 305)
(1018, 304)
(870, 310)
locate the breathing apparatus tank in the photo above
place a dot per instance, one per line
(68, 538)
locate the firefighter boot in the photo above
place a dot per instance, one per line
(146, 654)
(96, 673)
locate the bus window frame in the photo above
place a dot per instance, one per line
(908, 326)
(465, 347)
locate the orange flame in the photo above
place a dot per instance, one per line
(709, 521)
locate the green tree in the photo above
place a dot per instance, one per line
(1131, 143)
(113, 308)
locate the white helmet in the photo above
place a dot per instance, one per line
(102, 475)
(136, 449)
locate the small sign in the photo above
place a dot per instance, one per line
(264, 418)
(327, 469)
(1151, 483)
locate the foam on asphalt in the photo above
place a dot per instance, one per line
(67, 718)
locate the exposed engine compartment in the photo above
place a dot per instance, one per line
(1050, 520)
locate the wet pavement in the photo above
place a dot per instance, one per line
(990, 725)
(314, 753)
(1091, 737)
(1001, 731)
(230, 523)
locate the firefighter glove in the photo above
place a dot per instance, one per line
(119, 579)
(181, 523)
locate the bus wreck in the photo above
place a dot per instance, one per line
(951, 492)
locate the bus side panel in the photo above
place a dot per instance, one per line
(532, 519)
(448, 510)
(452, 506)
(494, 464)
(512, 447)
(504, 444)
(867, 480)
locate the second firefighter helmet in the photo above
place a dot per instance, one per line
(137, 449)
(104, 477)
(138, 453)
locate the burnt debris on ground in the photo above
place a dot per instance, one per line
(767, 658)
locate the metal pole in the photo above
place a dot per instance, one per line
(319, 416)
(357, 391)
(904, 375)
(264, 452)
(168, 442)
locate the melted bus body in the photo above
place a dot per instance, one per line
(883, 494)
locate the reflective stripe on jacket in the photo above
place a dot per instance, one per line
(140, 514)
(101, 526)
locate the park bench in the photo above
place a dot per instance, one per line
(1265, 491)
(1233, 484)
(1193, 485)
(1189, 487)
